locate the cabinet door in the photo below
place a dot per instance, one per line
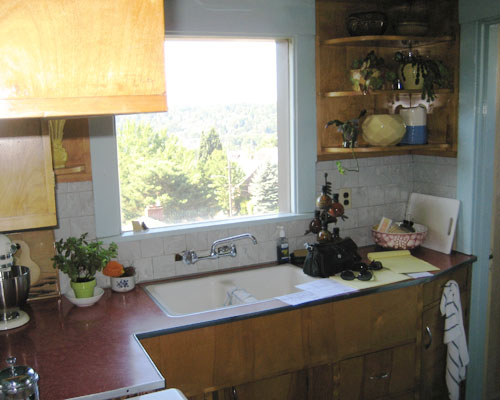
(433, 352)
(27, 197)
(72, 57)
(433, 384)
(321, 382)
(292, 386)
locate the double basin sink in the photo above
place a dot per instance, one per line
(231, 289)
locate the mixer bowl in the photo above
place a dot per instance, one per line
(14, 289)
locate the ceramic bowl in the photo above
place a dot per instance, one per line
(383, 129)
(87, 301)
(400, 241)
(123, 283)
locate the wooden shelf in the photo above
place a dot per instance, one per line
(340, 153)
(349, 93)
(72, 170)
(388, 41)
(377, 149)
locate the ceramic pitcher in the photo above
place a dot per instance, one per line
(416, 125)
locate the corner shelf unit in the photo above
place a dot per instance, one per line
(335, 51)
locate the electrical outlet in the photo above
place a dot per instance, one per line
(345, 198)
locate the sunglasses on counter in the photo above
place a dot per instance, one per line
(363, 275)
(364, 271)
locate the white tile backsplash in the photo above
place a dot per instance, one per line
(163, 267)
(144, 269)
(80, 225)
(380, 188)
(197, 241)
(152, 247)
(129, 251)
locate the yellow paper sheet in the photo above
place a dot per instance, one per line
(381, 277)
(401, 261)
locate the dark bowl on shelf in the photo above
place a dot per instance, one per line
(411, 28)
(366, 23)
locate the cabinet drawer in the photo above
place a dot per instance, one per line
(434, 289)
(378, 375)
(292, 386)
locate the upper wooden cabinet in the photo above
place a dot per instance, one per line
(335, 52)
(72, 57)
(27, 198)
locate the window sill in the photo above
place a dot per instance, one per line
(204, 226)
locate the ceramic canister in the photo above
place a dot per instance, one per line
(416, 125)
(123, 283)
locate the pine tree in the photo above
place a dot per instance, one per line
(264, 189)
(208, 144)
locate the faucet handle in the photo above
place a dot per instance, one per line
(227, 250)
(189, 257)
(223, 250)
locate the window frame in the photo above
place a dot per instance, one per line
(302, 154)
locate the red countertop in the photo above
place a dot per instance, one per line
(87, 351)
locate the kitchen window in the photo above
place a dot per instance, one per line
(297, 148)
(222, 150)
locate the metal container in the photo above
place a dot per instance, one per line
(18, 382)
(14, 289)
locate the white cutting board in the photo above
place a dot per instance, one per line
(440, 215)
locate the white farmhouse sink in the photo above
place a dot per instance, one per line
(192, 296)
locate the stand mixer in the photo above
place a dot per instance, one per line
(14, 287)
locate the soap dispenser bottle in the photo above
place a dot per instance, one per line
(282, 247)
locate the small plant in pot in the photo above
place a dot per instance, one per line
(80, 259)
(370, 73)
(422, 73)
(349, 129)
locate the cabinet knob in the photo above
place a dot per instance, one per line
(429, 333)
(234, 393)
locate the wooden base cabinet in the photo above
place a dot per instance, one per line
(246, 354)
(364, 348)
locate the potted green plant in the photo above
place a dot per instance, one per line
(370, 72)
(422, 73)
(80, 259)
(349, 129)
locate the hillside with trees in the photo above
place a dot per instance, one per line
(199, 164)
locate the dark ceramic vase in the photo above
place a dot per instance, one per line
(366, 23)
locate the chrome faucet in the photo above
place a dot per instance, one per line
(216, 251)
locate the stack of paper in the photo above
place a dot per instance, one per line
(401, 261)
(396, 265)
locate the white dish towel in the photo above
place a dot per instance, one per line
(454, 336)
(236, 295)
